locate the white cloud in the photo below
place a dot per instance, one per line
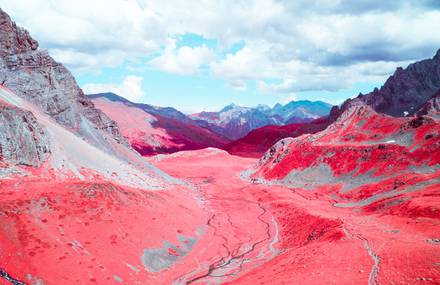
(112, 29)
(130, 88)
(304, 44)
(247, 63)
(239, 85)
(85, 62)
(183, 60)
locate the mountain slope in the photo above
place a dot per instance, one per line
(431, 107)
(383, 170)
(33, 75)
(360, 148)
(48, 123)
(153, 130)
(61, 154)
(258, 141)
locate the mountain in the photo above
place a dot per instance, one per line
(33, 75)
(303, 109)
(367, 164)
(236, 121)
(48, 122)
(407, 89)
(152, 130)
(31, 138)
(416, 89)
(361, 145)
(167, 112)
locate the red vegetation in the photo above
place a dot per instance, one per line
(258, 141)
(361, 142)
(245, 233)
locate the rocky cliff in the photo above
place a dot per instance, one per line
(23, 140)
(406, 91)
(35, 76)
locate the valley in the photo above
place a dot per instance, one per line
(221, 229)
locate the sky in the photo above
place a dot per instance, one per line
(204, 54)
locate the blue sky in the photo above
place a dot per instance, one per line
(193, 93)
(202, 55)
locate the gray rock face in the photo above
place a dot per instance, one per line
(432, 107)
(279, 149)
(407, 92)
(33, 75)
(407, 89)
(22, 139)
(14, 40)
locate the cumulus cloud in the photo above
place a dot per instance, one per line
(239, 85)
(112, 30)
(83, 62)
(304, 44)
(247, 63)
(130, 88)
(183, 60)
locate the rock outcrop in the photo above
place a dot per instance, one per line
(405, 92)
(432, 107)
(23, 140)
(35, 76)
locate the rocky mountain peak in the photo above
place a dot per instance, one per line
(229, 107)
(437, 55)
(404, 93)
(14, 39)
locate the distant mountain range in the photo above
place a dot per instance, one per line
(235, 121)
